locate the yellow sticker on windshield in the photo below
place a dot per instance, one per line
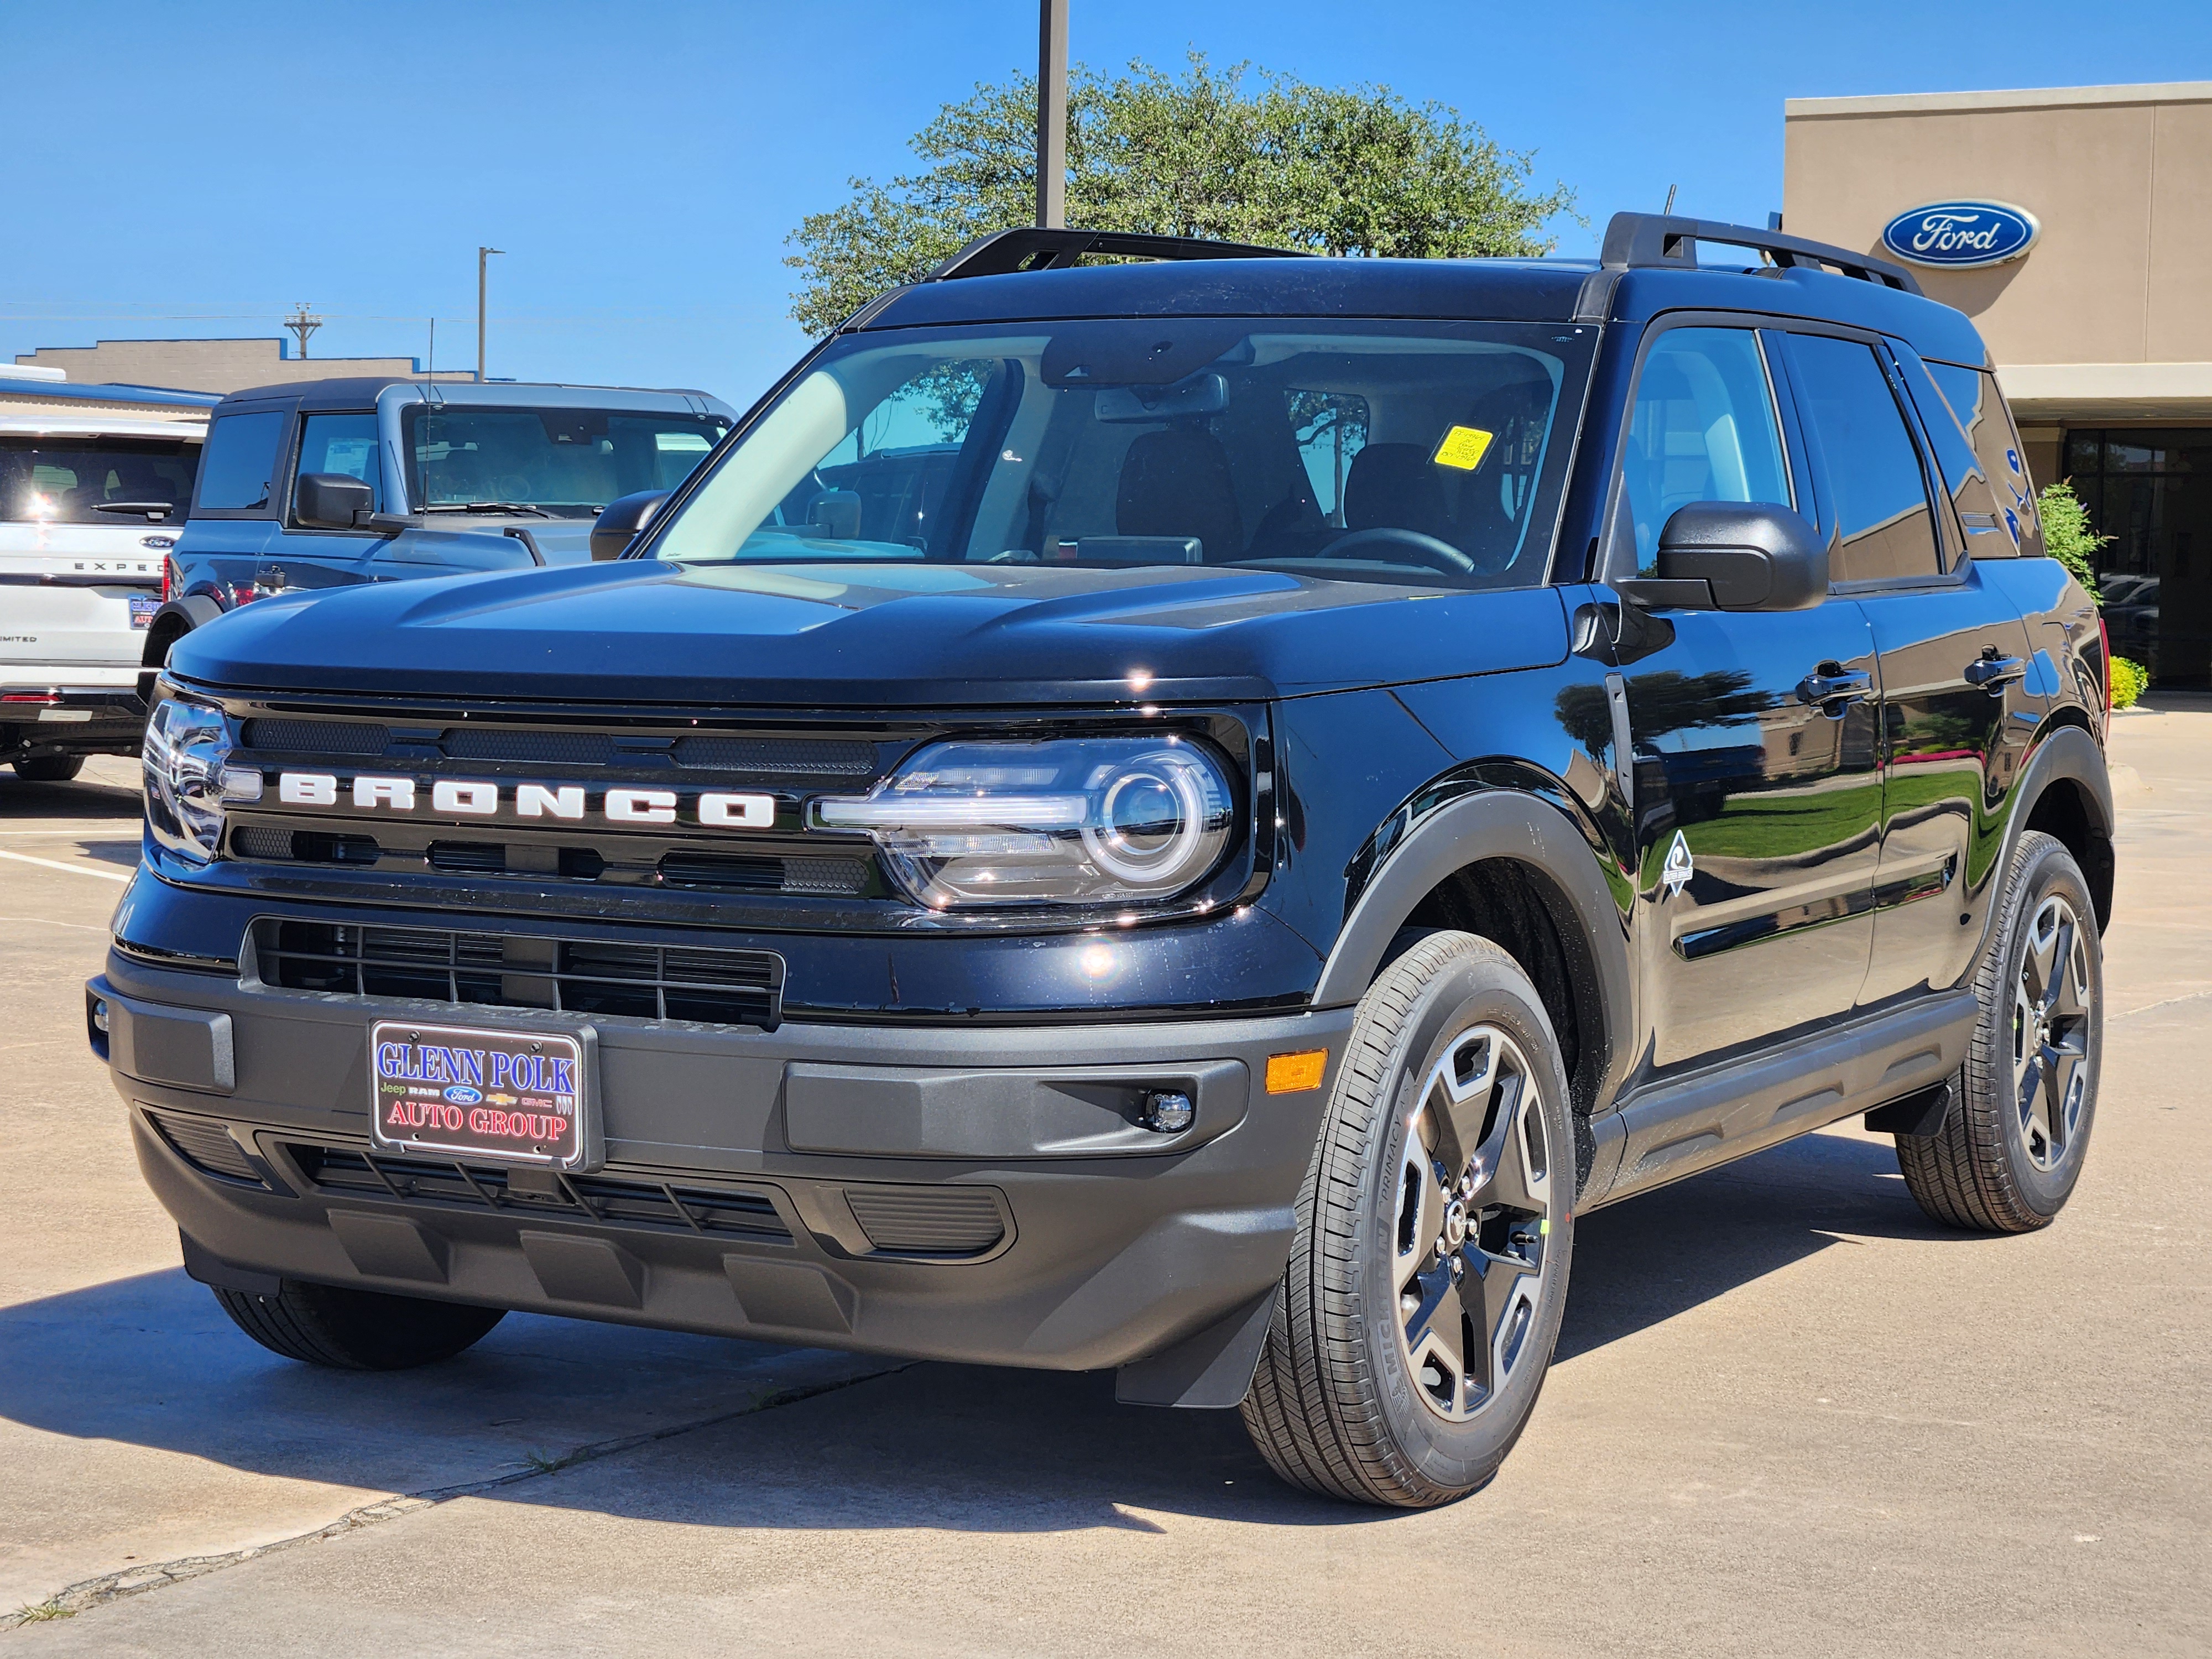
(1463, 448)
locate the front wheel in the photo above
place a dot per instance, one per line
(345, 1330)
(1415, 1322)
(2008, 1156)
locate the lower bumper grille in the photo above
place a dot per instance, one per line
(514, 971)
(207, 1146)
(611, 1200)
(947, 1221)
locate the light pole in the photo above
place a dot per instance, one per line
(1052, 113)
(483, 254)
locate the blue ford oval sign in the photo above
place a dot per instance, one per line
(1957, 235)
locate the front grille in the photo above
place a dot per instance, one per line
(264, 845)
(798, 757)
(317, 737)
(507, 970)
(949, 1221)
(613, 1200)
(469, 858)
(491, 742)
(207, 1146)
(750, 872)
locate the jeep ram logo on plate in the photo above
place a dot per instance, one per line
(466, 797)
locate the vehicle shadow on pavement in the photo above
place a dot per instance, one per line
(150, 1360)
(69, 802)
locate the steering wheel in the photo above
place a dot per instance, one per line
(1383, 539)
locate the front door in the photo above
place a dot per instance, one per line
(1757, 788)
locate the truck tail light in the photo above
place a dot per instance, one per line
(172, 578)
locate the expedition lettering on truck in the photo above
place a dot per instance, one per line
(89, 504)
(1189, 817)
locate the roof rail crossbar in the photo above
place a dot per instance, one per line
(1643, 240)
(1033, 247)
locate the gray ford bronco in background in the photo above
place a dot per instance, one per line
(1189, 817)
(327, 483)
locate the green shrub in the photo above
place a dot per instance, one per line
(2067, 534)
(2130, 680)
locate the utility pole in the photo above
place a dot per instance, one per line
(1052, 113)
(302, 325)
(483, 254)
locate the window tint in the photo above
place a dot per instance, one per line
(239, 461)
(565, 463)
(347, 444)
(1703, 430)
(1972, 396)
(1874, 472)
(68, 480)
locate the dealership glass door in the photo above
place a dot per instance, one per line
(2150, 490)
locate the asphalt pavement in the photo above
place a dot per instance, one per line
(1788, 1415)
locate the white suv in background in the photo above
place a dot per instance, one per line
(89, 506)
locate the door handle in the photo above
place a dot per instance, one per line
(1831, 684)
(1993, 672)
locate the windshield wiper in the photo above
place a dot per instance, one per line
(486, 507)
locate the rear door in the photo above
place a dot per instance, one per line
(1757, 795)
(1953, 649)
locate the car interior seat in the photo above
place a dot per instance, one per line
(1175, 482)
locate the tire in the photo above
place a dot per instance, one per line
(49, 769)
(2012, 1148)
(1361, 1394)
(355, 1330)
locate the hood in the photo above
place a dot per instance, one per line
(560, 541)
(884, 635)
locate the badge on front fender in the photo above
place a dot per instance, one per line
(507, 1096)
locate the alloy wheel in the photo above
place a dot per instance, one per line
(1474, 1213)
(2050, 1033)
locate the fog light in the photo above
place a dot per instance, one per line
(1167, 1111)
(100, 1015)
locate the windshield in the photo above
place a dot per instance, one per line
(66, 480)
(1379, 451)
(567, 462)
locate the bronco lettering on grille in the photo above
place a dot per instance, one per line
(475, 798)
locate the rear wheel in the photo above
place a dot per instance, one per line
(355, 1330)
(1415, 1322)
(49, 769)
(2011, 1150)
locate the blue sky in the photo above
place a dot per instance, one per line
(196, 170)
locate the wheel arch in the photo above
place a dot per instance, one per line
(171, 624)
(2066, 792)
(1516, 870)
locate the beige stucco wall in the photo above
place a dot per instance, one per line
(2120, 177)
(209, 365)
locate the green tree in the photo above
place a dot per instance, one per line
(1235, 153)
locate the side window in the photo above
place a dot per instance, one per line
(1703, 430)
(346, 444)
(238, 462)
(1879, 493)
(1972, 396)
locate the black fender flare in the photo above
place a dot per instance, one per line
(1496, 824)
(198, 610)
(2065, 751)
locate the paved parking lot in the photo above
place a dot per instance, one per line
(1789, 1416)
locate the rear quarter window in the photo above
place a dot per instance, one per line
(239, 466)
(1980, 409)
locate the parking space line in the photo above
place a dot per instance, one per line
(55, 863)
(48, 921)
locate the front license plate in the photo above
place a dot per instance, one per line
(143, 607)
(512, 1096)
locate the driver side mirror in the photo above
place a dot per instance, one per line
(619, 525)
(1735, 555)
(331, 501)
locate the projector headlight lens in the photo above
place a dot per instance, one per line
(188, 776)
(1070, 821)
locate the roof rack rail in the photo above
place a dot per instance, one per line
(1636, 240)
(1033, 247)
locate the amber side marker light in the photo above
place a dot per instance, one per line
(1291, 1074)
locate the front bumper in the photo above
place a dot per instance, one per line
(92, 719)
(980, 1194)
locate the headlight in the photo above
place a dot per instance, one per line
(1083, 821)
(188, 779)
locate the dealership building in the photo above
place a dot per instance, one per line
(2074, 225)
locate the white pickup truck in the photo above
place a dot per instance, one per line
(89, 505)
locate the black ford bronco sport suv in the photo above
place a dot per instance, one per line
(1185, 816)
